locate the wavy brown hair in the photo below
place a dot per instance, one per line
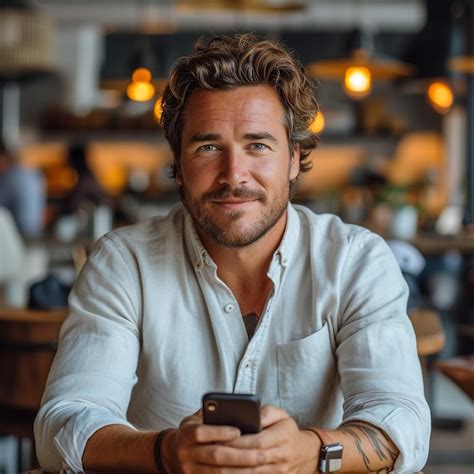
(227, 62)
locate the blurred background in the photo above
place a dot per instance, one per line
(82, 152)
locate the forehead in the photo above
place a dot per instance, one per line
(246, 106)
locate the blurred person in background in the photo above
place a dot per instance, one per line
(22, 193)
(87, 191)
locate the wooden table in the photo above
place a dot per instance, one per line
(461, 371)
(432, 244)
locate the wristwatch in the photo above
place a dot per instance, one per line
(330, 458)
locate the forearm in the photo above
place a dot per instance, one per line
(366, 447)
(118, 447)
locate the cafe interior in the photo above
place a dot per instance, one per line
(80, 104)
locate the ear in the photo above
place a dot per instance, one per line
(295, 163)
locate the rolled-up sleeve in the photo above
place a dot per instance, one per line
(94, 371)
(380, 372)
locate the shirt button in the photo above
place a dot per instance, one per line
(198, 265)
(228, 308)
(247, 365)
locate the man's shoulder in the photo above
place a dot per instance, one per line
(329, 227)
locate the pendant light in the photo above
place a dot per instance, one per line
(142, 65)
(361, 65)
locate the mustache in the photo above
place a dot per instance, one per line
(229, 192)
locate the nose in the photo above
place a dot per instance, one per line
(234, 169)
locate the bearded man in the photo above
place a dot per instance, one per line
(237, 290)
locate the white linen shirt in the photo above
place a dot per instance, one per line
(152, 328)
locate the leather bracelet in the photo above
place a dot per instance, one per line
(157, 451)
(316, 433)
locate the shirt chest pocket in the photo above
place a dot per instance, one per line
(306, 375)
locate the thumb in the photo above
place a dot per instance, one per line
(195, 418)
(270, 415)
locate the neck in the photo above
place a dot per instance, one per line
(245, 269)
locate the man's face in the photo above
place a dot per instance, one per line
(235, 164)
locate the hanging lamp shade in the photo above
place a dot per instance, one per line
(26, 40)
(361, 53)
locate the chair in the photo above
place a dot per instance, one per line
(28, 343)
(430, 340)
(429, 332)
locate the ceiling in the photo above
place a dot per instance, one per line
(172, 15)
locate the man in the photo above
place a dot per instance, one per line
(22, 193)
(237, 291)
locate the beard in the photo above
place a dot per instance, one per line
(230, 234)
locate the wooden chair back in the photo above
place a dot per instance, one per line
(430, 335)
(28, 343)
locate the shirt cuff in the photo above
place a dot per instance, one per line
(73, 436)
(412, 443)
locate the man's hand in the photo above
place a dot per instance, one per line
(283, 447)
(280, 447)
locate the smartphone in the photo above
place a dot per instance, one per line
(232, 409)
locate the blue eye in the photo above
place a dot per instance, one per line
(258, 146)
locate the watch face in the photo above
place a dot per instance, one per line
(331, 458)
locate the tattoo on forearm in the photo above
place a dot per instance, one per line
(358, 443)
(378, 442)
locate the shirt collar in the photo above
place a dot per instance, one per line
(198, 253)
(282, 255)
(290, 238)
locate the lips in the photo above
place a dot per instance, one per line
(234, 204)
(233, 201)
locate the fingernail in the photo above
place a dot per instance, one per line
(260, 458)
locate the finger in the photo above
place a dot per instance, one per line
(267, 468)
(270, 415)
(274, 435)
(198, 433)
(225, 456)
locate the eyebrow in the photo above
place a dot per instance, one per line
(260, 136)
(209, 137)
(205, 137)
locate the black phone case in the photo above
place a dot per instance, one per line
(239, 410)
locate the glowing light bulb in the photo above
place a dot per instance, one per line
(440, 96)
(140, 91)
(358, 82)
(317, 125)
(157, 110)
(142, 74)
